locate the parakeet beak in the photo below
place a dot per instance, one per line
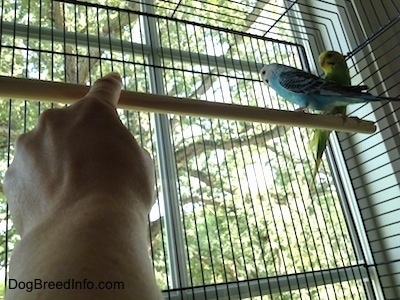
(263, 73)
(322, 57)
(327, 63)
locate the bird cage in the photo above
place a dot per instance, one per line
(238, 212)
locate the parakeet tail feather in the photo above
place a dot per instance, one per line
(319, 142)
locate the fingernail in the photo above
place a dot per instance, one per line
(115, 75)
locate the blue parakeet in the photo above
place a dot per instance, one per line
(313, 92)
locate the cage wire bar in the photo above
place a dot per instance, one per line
(238, 214)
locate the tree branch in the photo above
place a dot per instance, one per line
(188, 152)
(77, 69)
(209, 79)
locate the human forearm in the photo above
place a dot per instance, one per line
(104, 243)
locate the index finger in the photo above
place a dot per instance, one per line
(107, 88)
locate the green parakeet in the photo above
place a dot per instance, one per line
(335, 68)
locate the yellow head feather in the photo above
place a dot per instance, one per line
(335, 68)
(331, 60)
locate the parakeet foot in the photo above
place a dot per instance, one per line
(301, 109)
(344, 117)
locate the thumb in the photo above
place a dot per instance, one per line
(107, 89)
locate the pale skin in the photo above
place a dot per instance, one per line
(79, 190)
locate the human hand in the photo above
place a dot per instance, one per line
(76, 155)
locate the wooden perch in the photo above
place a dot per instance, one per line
(32, 89)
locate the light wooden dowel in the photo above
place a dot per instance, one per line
(31, 89)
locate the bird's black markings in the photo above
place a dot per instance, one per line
(299, 81)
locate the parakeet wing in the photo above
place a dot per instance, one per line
(298, 81)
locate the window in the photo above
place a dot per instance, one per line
(238, 213)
